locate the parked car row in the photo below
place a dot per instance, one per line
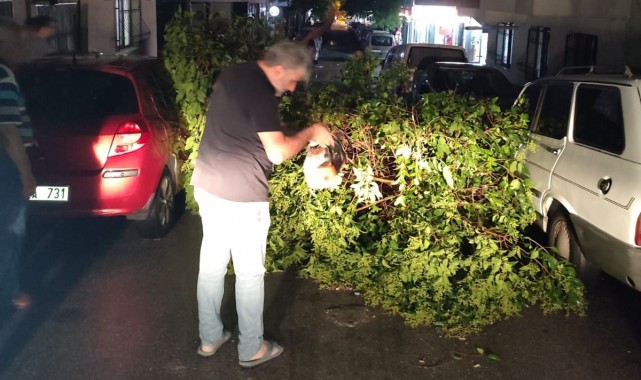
(415, 54)
(478, 81)
(439, 68)
(104, 128)
(587, 161)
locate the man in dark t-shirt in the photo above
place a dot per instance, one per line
(241, 142)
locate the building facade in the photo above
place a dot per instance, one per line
(534, 38)
(104, 26)
(527, 38)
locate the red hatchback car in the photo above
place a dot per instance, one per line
(104, 131)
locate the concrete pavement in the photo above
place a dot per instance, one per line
(117, 307)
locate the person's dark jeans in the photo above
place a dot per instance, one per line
(13, 209)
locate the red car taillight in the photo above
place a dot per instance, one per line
(129, 137)
(637, 232)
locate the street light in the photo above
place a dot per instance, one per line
(274, 11)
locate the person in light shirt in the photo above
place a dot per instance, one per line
(17, 181)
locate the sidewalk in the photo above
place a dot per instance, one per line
(134, 317)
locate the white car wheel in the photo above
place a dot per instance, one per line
(561, 236)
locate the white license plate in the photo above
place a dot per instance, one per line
(51, 193)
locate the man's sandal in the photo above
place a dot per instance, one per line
(269, 355)
(216, 345)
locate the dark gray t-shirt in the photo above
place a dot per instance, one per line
(232, 163)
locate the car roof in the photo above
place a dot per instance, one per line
(606, 75)
(128, 63)
(605, 79)
(305, 31)
(463, 65)
(407, 47)
(440, 46)
(344, 38)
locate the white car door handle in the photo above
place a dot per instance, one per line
(604, 184)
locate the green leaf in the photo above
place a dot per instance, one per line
(442, 147)
(447, 174)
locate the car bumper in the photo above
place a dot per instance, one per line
(106, 193)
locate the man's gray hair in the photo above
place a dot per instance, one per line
(292, 55)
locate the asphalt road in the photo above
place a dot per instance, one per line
(112, 306)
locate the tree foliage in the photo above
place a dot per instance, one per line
(317, 8)
(383, 13)
(429, 219)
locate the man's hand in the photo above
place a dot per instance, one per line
(280, 147)
(28, 184)
(15, 149)
(321, 135)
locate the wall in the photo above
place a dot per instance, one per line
(100, 26)
(606, 19)
(214, 6)
(20, 10)
(149, 27)
(633, 36)
(612, 21)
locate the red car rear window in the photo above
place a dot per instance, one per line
(67, 95)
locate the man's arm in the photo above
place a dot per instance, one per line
(12, 143)
(280, 147)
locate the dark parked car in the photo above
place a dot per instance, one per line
(415, 54)
(104, 128)
(481, 81)
(338, 46)
(380, 42)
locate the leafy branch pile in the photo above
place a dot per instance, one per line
(428, 221)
